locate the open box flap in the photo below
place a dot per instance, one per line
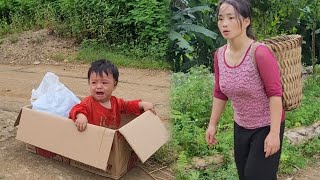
(59, 135)
(17, 122)
(145, 134)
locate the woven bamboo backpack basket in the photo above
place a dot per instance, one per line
(287, 49)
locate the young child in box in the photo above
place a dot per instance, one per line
(101, 108)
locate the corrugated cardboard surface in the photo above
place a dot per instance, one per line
(145, 134)
(59, 135)
(92, 148)
(126, 158)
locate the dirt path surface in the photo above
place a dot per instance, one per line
(310, 173)
(24, 61)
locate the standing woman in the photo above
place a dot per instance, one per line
(247, 74)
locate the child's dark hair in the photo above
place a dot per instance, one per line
(103, 66)
(243, 8)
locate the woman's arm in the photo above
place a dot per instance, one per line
(270, 75)
(275, 113)
(218, 106)
(217, 109)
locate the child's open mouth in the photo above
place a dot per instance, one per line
(100, 93)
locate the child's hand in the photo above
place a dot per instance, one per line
(81, 122)
(147, 106)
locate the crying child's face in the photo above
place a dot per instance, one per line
(101, 87)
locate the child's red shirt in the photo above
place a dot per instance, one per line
(101, 116)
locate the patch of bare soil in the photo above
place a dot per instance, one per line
(33, 47)
(311, 172)
(24, 60)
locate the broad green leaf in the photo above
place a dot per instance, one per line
(182, 43)
(189, 11)
(198, 29)
(199, 8)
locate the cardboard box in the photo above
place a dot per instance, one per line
(100, 150)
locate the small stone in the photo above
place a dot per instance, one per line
(36, 63)
(317, 124)
(66, 60)
(316, 156)
(216, 159)
(303, 131)
(309, 69)
(199, 163)
(3, 148)
(302, 134)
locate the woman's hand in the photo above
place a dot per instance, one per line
(271, 144)
(211, 135)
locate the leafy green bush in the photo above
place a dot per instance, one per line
(194, 46)
(92, 50)
(137, 28)
(310, 107)
(190, 94)
(272, 18)
(193, 36)
(191, 102)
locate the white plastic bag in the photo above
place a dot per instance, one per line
(53, 97)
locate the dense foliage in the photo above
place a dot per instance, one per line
(270, 18)
(140, 26)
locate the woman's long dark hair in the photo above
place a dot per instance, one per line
(243, 8)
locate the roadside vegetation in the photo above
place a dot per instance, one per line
(130, 33)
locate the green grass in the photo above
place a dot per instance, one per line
(91, 52)
(59, 57)
(13, 38)
(2, 41)
(4, 29)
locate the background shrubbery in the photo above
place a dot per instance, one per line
(194, 46)
(137, 28)
(140, 28)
